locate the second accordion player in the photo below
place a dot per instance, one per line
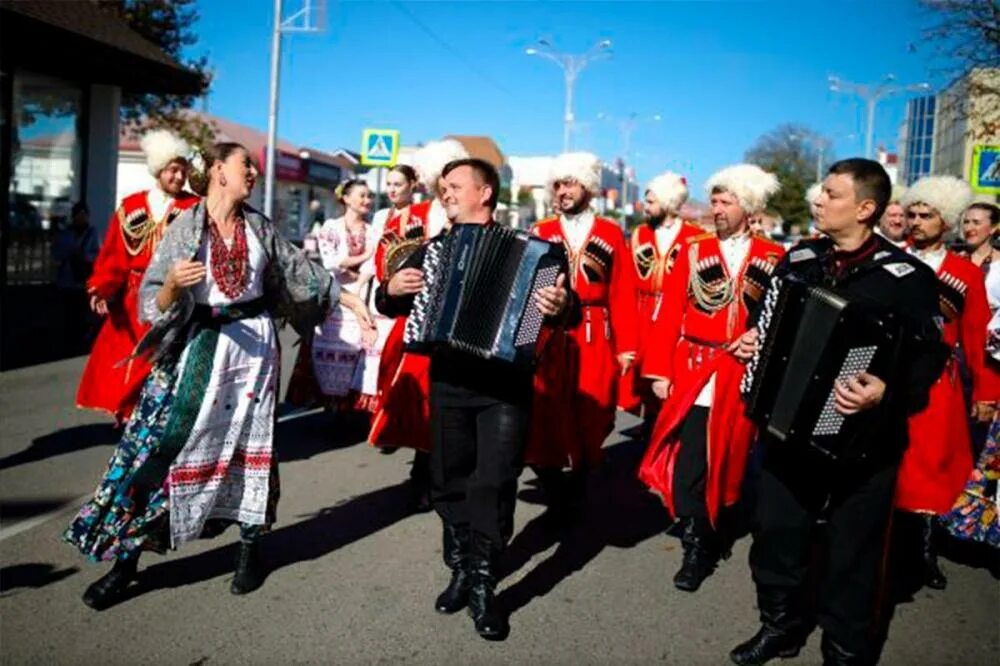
(811, 337)
(477, 294)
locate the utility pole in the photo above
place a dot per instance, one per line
(308, 19)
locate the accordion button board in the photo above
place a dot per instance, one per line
(478, 283)
(810, 339)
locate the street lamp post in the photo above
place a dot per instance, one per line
(627, 127)
(572, 65)
(871, 94)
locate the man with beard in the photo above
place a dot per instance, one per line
(479, 415)
(700, 443)
(113, 287)
(939, 459)
(655, 246)
(853, 494)
(580, 369)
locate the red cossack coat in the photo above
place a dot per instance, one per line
(109, 382)
(576, 382)
(938, 460)
(652, 266)
(690, 340)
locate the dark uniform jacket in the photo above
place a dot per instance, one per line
(882, 273)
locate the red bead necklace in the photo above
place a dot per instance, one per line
(230, 265)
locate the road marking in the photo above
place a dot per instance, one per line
(31, 523)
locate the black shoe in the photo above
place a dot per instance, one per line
(456, 596)
(698, 565)
(490, 619)
(387, 450)
(249, 572)
(455, 551)
(835, 654)
(767, 644)
(109, 589)
(701, 555)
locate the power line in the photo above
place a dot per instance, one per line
(462, 57)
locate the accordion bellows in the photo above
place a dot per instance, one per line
(478, 282)
(811, 337)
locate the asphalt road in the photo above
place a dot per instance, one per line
(354, 576)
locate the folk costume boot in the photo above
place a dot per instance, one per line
(490, 619)
(701, 554)
(109, 589)
(249, 569)
(456, 557)
(933, 576)
(836, 654)
(781, 633)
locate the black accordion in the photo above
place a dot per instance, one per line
(477, 294)
(811, 337)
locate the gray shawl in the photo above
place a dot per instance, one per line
(296, 289)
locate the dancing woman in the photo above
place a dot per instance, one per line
(197, 452)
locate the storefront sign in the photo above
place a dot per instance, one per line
(320, 173)
(289, 166)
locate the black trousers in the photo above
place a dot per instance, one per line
(793, 492)
(476, 458)
(691, 466)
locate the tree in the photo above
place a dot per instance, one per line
(789, 152)
(965, 34)
(169, 24)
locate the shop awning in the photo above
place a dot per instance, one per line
(77, 40)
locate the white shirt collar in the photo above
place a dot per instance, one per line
(932, 258)
(577, 228)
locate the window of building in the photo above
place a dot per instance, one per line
(46, 172)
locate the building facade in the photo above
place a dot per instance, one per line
(59, 127)
(916, 141)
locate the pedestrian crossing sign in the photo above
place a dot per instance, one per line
(379, 147)
(986, 169)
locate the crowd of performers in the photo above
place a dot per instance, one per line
(195, 285)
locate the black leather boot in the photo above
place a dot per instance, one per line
(835, 654)
(781, 633)
(933, 576)
(109, 589)
(701, 554)
(490, 619)
(249, 571)
(456, 557)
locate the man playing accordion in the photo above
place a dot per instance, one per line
(479, 414)
(798, 483)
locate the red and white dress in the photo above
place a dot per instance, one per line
(133, 233)
(712, 288)
(938, 460)
(402, 415)
(576, 383)
(654, 253)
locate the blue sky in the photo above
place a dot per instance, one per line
(719, 73)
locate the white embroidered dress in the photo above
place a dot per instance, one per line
(224, 469)
(337, 354)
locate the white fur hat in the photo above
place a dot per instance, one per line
(670, 189)
(898, 191)
(430, 160)
(751, 185)
(812, 194)
(948, 195)
(584, 168)
(161, 148)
